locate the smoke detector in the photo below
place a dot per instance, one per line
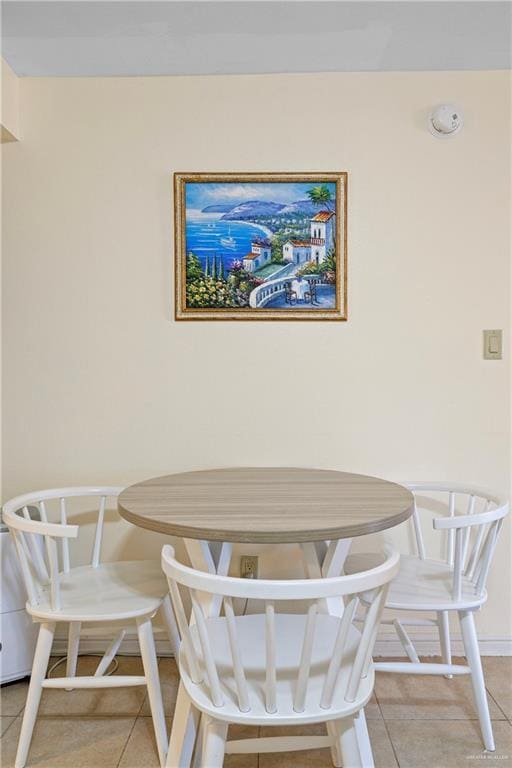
(445, 120)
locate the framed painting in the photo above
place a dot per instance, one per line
(260, 246)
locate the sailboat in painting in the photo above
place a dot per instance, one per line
(229, 241)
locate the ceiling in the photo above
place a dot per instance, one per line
(97, 38)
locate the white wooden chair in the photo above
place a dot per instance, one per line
(273, 668)
(120, 592)
(454, 580)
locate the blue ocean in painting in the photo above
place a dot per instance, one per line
(207, 236)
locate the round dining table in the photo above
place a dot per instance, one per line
(266, 505)
(319, 509)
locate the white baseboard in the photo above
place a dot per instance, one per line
(489, 646)
(387, 645)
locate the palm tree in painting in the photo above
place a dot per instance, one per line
(320, 196)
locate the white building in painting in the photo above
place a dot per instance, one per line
(322, 240)
(297, 251)
(322, 235)
(258, 257)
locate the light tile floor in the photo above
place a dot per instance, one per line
(413, 722)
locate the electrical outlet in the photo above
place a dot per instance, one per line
(249, 567)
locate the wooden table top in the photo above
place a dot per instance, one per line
(266, 505)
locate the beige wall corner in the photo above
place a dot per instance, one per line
(10, 106)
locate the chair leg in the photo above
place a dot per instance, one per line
(183, 732)
(170, 625)
(332, 732)
(73, 644)
(110, 654)
(467, 623)
(444, 638)
(363, 739)
(149, 661)
(214, 745)
(198, 753)
(39, 667)
(349, 745)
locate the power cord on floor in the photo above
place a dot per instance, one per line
(114, 663)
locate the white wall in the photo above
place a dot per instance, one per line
(101, 385)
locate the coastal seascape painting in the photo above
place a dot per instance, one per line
(260, 246)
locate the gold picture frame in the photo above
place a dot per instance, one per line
(296, 268)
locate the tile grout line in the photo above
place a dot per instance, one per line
(126, 743)
(138, 716)
(391, 742)
(461, 719)
(14, 718)
(134, 723)
(131, 731)
(386, 727)
(12, 714)
(496, 702)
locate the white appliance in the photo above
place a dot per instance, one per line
(18, 633)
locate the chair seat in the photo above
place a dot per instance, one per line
(112, 591)
(423, 585)
(289, 630)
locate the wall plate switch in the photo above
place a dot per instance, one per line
(249, 567)
(493, 344)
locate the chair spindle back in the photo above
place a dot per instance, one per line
(43, 545)
(199, 656)
(471, 522)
